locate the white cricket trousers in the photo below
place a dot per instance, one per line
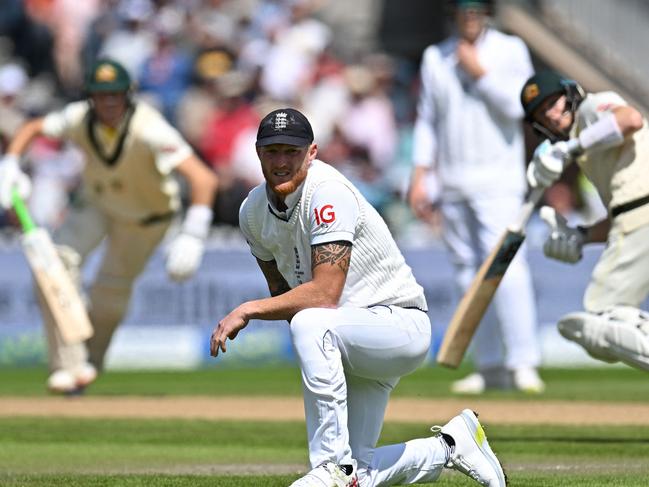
(128, 248)
(507, 335)
(621, 275)
(351, 359)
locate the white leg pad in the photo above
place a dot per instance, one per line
(619, 333)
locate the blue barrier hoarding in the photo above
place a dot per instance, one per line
(168, 324)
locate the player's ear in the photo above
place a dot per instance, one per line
(313, 151)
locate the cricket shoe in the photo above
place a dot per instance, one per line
(471, 384)
(527, 379)
(470, 450)
(479, 382)
(64, 381)
(329, 474)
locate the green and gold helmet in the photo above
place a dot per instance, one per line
(545, 84)
(107, 76)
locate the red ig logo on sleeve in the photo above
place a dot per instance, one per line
(324, 214)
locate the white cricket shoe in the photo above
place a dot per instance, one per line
(329, 475)
(64, 381)
(471, 453)
(85, 374)
(527, 379)
(61, 381)
(472, 384)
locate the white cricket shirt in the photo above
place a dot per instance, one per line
(138, 183)
(620, 174)
(328, 208)
(470, 131)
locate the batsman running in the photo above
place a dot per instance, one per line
(357, 318)
(613, 141)
(129, 198)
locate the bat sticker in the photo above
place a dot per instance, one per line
(505, 255)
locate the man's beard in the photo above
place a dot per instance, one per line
(291, 186)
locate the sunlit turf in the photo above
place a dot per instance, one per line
(597, 384)
(43, 451)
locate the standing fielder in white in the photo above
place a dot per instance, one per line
(356, 315)
(129, 199)
(468, 152)
(612, 139)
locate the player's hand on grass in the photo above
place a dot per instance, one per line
(11, 176)
(564, 243)
(228, 327)
(547, 163)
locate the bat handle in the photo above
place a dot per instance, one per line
(526, 210)
(22, 212)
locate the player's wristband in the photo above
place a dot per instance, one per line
(197, 221)
(603, 134)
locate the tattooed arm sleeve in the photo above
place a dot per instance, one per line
(332, 254)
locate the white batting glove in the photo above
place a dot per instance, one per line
(186, 251)
(564, 243)
(185, 255)
(548, 163)
(11, 176)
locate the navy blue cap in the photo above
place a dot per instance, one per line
(284, 126)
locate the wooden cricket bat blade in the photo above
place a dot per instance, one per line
(55, 286)
(476, 299)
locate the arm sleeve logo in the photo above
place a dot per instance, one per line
(324, 214)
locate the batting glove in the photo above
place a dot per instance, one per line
(564, 243)
(548, 163)
(186, 251)
(11, 176)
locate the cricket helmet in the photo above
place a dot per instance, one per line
(107, 76)
(486, 5)
(473, 3)
(547, 83)
(543, 85)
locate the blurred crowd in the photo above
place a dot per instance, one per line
(214, 68)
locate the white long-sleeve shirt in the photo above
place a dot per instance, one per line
(470, 131)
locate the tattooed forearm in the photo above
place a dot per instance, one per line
(333, 253)
(276, 283)
(278, 287)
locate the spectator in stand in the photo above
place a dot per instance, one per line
(133, 42)
(293, 54)
(200, 99)
(233, 116)
(369, 119)
(107, 21)
(167, 73)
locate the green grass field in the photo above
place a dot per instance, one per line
(45, 451)
(610, 384)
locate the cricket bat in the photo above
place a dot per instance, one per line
(52, 278)
(476, 299)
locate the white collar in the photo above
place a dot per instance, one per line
(290, 201)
